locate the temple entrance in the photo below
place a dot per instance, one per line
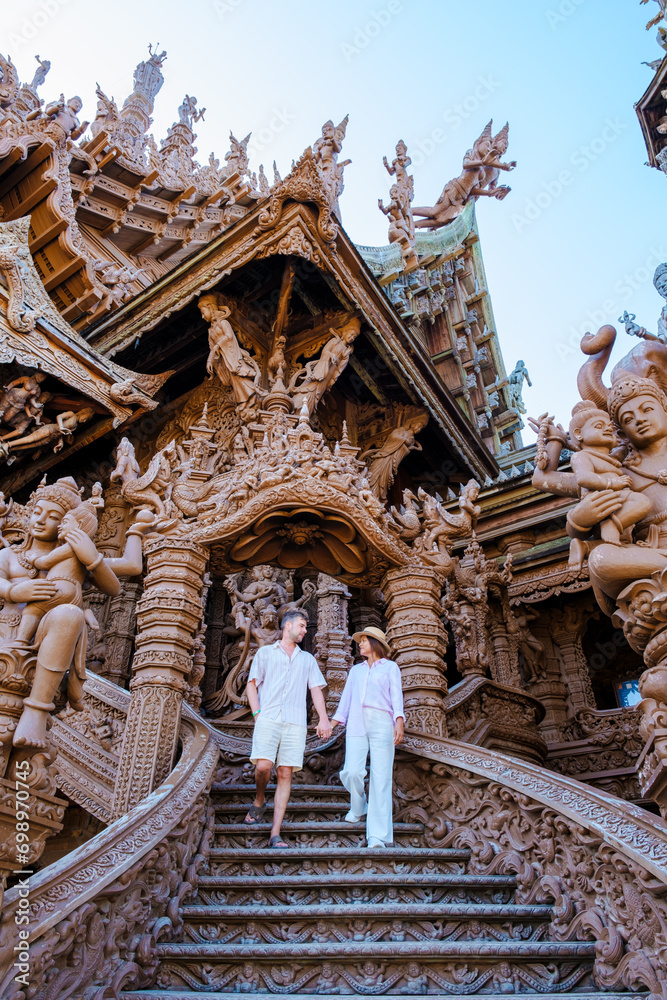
(242, 614)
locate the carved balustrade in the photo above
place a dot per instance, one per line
(96, 915)
(603, 861)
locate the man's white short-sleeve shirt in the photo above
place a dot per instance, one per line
(282, 682)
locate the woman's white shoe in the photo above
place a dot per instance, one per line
(351, 818)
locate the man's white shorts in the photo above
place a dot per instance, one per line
(280, 742)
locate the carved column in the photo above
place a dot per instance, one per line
(363, 616)
(117, 615)
(120, 630)
(418, 641)
(216, 614)
(168, 616)
(566, 628)
(332, 642)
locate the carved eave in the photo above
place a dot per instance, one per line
(651, 108)
(298, 231)
(34, 334)
(35, 182)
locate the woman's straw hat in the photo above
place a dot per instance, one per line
(374, 633)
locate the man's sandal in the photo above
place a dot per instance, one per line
(277, 841)
(254, 815)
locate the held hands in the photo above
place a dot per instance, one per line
(324, 729)
(399, 731)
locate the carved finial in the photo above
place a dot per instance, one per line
(303, 413)
(345, 441)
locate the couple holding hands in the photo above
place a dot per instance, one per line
(371, 707)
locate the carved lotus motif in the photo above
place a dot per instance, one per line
(302, 537)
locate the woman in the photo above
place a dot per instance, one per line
(372, 707)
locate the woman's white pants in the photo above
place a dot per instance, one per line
(379, 739)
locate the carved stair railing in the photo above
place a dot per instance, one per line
(603, 861)
(96, 915)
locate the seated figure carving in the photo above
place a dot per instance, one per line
(55, 623)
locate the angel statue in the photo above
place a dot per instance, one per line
(232, 364)
(481, 170)
(384, 461)
(318, 376)
(42, 623)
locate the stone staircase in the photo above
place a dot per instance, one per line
(332, 917)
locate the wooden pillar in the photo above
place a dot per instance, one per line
(168, 619)
(332, 641)
(418, 641)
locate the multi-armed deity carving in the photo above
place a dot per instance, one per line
(479, 178)
(619, 474)
(257, 595)
(43, 626)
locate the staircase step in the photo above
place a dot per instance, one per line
(503, 950)
(358, 922)
(516, 911)
(302, 859)
(316, 834)
(376, 887)
(312, 792)
(378, 967)
(241, 808)
(190, 995)
(293, 826)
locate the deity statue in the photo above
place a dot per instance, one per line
(628, 571)
(660, 285)
(325, 154)
(515, 382)
(595, 468)
(42, 622)
(318, 376)
(66, 423)
(188, 113)
(232, 364)
(43, 67)
(127, 467)
(479, 177)
(401, 193)
(64, 122)
(21, 403)
(253, 623)
(384, 461)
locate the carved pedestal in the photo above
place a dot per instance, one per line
(418, 642)
(17, 669)
(168, 616)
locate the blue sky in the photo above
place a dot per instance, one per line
(572, 246)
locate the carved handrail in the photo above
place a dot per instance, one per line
(603, 860)
(96, 915)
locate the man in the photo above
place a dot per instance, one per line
(279, 676)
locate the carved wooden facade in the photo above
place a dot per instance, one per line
(296, 421)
